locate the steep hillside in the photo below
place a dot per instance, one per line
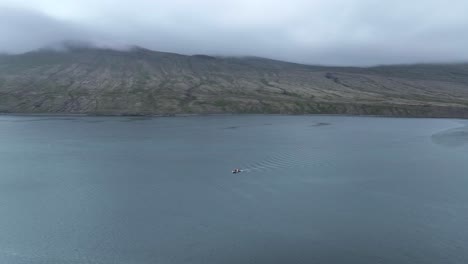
(141, 82)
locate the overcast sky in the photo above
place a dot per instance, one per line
(332, 32)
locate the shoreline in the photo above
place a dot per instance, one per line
(215, 114)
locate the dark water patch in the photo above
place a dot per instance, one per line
(320, 124)
(251, 125)
(93, 121)
(231, 127)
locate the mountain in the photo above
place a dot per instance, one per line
(143, 82)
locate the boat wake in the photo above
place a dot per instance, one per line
(299, 158)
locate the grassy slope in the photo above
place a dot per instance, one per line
(99, 81)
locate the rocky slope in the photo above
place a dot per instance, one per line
(144, 82)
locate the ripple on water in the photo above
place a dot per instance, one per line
(455, 137)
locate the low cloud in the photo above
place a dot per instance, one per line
(333, 32)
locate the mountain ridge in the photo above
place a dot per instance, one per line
(139, 81)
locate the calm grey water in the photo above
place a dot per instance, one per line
(316, 189)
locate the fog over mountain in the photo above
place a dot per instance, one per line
(332, 32)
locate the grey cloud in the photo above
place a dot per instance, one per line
(337, 32)
(24, 30)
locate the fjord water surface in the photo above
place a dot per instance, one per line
(315, 189)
